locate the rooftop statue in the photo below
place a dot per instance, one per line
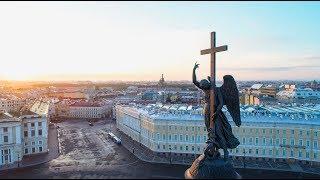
(221, 137)
(210, 165)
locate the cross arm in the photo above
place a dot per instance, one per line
(214, 50)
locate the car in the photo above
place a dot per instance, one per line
(90, 124)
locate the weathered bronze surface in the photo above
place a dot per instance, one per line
(220, 136)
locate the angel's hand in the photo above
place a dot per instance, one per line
(196, 65)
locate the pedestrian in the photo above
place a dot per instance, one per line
(133, 150)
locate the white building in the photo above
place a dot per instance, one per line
(85, 109)
(299, 93)
(280, 133)
(23, 133)
(10, 139)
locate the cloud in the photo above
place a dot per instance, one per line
(272, 69)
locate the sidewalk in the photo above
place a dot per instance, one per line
(37, 159)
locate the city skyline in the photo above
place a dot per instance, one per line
(103, 41)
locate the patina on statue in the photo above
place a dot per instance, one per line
(221, 137)
(210, 164)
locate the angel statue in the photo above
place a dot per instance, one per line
(221, 136)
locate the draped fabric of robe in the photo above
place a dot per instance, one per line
(224, 136)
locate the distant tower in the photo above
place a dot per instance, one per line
(161, 82)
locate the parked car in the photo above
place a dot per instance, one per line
(90, 124)
(114, 138)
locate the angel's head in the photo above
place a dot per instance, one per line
(205, 84)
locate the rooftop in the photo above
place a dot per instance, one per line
(259, 114)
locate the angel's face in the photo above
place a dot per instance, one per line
(205, 84)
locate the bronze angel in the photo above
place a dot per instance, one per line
(221, 136)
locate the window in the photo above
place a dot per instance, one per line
(257, 151)
(315, 155)
(187, 148)
(250, 151)
(40, 132)
(270, 142)
(243, 130)
(25, 125)
(284, 132)
(187, 138)
(277, 152)
(315, 144)
(192, 148)
(270, 131)
(32, 133)
(169, 137)
(39, 124)
(284, 141)
(164, 137)
(292, 131)
(277, 142)
(300, 154)
(192, 138)
(315, 133)
(300, 142)
(292, 142)
(250, 141)
(33, 150)
(25, 133)
(26, 150)
(158, 146)
(158, 136)
(263, 131)
(308, 143)
(175, 137)
(180, 148)
(5, 129)
(204, 129)
(308, 133)
(284, 152)
(5, 139)
(307, 155)
(175, 147)
(291, 153)
(263, 152)
(270, 152)
(40, 142)
(300, 132)
(264, 141)
(180, 137)
(244, 140)
(257, 141)
(32, 124)
(33, 143)
(192, 128)
(163, 146)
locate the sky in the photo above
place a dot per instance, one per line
(132, 41)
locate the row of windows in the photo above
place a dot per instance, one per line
(182, 138)
(32, 124)
(6, 156)
(181, 148)
(33, 150)
(276, 152)
(187, 128)
(270, 141)
(277, 131)
(33, 143)
(33, 133)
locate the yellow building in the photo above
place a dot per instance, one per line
(266, 132)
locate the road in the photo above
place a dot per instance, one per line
(86, 153)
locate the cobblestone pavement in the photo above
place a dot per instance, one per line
(87, 153)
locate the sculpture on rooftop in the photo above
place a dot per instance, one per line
(221, 137)
(210, 165)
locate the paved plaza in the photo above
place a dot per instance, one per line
(86, 152)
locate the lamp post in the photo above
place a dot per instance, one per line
(170, 155)
(18, 159)
(244, 158)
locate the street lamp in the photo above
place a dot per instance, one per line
(244, 157)
(170, 154)
(18, 159)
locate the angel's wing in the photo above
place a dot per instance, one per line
(230, 95)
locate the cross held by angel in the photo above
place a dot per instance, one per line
(220, 136)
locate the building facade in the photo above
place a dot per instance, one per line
(266, 132)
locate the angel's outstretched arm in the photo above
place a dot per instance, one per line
(194, 77)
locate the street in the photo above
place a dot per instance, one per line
(87, 153)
